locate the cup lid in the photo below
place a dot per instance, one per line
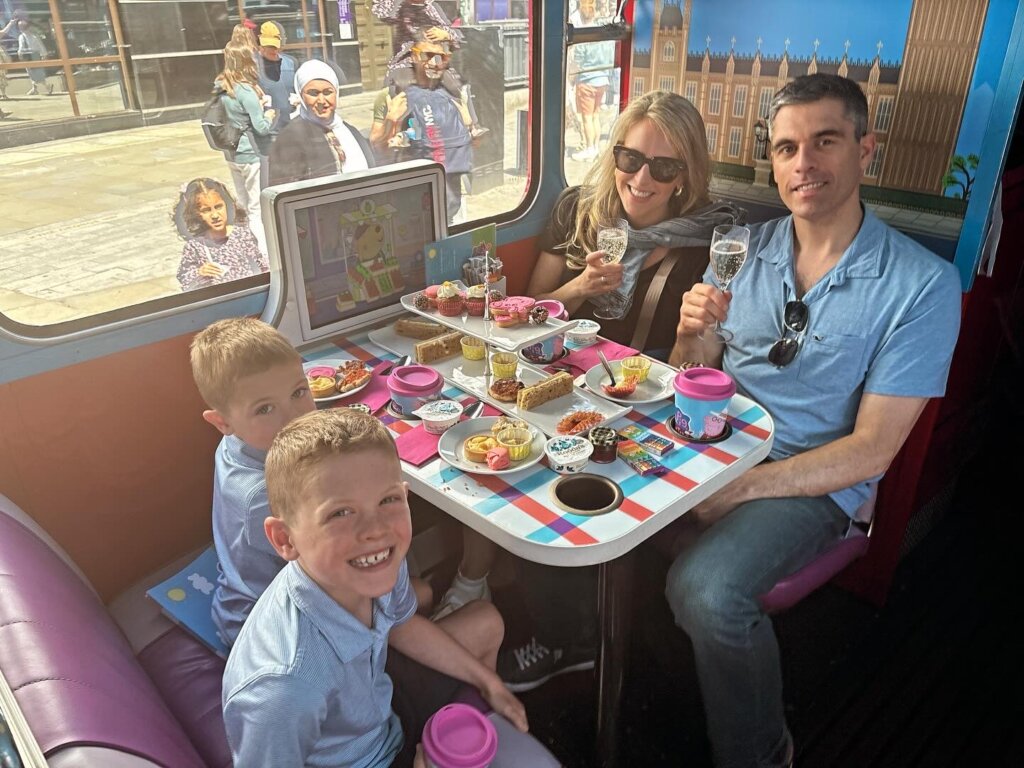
(567, 449)
(439, 409)
(459, 736)
(555, 308)
(416, 378)
(586, 326)
(705, 384)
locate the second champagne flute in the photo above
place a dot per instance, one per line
(729, 245)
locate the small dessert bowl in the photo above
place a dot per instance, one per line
(503, 365)
(636, 366)
(583, 334)
(473, 348)
(517, 441)
(439, 415)
(568, 454)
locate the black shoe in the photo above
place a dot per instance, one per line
(532, 664)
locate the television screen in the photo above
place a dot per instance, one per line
(344, 249)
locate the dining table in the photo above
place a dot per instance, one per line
(520, 513)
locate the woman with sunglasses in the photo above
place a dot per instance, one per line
(655, 175)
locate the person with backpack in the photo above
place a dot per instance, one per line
(437, 123)
(245, 106)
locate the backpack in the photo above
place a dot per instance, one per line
(220, 133)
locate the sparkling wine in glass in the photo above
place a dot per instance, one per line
(611, 238)
(729, 245)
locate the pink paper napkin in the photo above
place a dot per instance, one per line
(417, 446)
(586, 358)
(375, 394)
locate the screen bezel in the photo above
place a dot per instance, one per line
(286, 303)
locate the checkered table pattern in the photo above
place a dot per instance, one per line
(518, 512)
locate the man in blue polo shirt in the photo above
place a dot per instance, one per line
(843, 329)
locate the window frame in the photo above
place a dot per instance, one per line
(711, 134)
(739, 101)
(735, 139)
(715, 99)
(245, 291)
(884, 110)
(877, 162)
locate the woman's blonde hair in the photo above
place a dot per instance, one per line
(239, 68)
(242, 35)
(682, 126)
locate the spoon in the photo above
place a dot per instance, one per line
(474, 410)
(607, 366)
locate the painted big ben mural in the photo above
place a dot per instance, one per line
(914, 59)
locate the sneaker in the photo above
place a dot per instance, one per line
(33, 91)
(585, 154)
(459, 593)
(531, 665)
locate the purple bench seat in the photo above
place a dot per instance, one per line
(75, 677)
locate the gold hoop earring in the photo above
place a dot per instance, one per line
(679, 191)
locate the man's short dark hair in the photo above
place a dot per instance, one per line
(808, 89)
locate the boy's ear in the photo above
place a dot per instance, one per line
(280, 537)
(217, 419)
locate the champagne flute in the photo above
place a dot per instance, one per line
(729, 245)
(612, 239)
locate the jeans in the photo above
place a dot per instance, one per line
(248, 182)
(713, 587)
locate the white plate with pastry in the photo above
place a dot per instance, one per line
(547, 416)
(359, 374)
(452, 447)
(658, 386)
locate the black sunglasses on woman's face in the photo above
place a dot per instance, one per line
(794, 318)
(663, 169)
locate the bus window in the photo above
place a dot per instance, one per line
(592, 88)
(114, 199)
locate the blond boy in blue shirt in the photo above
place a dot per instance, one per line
(305, 683)
(251, 378)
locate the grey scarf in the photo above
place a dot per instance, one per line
(693, 229)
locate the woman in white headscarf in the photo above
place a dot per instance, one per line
(320, 143)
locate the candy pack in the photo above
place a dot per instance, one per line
(639, 460)
(654, 444)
